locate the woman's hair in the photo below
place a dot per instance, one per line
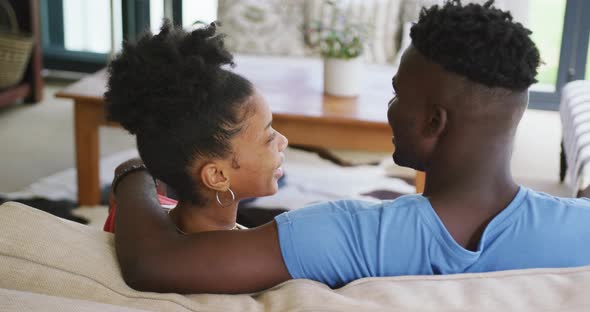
(171, 91)
(479, 42)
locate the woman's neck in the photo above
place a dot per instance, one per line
(190, 218)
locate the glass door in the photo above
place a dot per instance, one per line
(560, 30)
(546, 19)
(185, 12)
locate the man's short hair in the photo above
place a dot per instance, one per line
(479, 42)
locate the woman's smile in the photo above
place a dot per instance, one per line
(279, 170)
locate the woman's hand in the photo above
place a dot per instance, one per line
(118, 171)
(134, 162)
(127, 164)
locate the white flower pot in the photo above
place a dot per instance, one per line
(342, 77)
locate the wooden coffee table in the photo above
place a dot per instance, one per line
(293, 89)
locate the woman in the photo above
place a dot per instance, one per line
(200, 128)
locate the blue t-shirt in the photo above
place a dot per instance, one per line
(337, 242)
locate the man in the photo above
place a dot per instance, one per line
(461, 90)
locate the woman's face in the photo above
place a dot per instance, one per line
(257, 158)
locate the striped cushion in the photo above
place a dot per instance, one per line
(381, 15)
(270, 27)
(574, 111)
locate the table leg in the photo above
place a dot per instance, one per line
(87, 120)
(420, 181)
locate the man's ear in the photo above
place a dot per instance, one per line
(214, 176)
(437, 122)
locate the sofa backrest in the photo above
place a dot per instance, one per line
(43, 254)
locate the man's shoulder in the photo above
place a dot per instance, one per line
(359, 205)
(355, 207)
(546, 204)
(542, 199)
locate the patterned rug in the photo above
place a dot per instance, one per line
(311, 175)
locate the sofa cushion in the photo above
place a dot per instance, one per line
(42, 254)
(270, 27)
(382, 16)
(14, 300)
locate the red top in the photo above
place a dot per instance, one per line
(109, 225)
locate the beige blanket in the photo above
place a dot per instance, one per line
(47, 263)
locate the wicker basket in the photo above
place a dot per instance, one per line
(15, 49)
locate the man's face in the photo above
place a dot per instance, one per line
(406, 112)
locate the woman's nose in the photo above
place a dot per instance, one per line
(284, 143)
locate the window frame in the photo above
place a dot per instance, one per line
(135, 18)
(572, 57)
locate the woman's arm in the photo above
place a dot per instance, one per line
(155, 257)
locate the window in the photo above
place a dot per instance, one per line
(203, 10)
(185, 12)
(85, 22)
(77, 34)
(156, 15)
(547, 37)
(560, 30)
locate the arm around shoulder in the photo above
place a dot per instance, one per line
(155, 257)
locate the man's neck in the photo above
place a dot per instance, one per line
(470, 165)
(468, 192)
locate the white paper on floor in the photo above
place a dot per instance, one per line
(312, 179)
(309, 179)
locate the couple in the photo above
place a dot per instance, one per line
(460, 92)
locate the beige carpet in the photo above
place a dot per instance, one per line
(37, 140)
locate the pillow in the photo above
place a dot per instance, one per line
(381, 15)
(271, 27)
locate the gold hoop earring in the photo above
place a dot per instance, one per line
(233, 198)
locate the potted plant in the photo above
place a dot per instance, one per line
(341, 44)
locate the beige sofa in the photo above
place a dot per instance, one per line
(51, 264)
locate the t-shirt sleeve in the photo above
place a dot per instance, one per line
(333, 242)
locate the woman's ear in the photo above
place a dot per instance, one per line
(214, 176)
